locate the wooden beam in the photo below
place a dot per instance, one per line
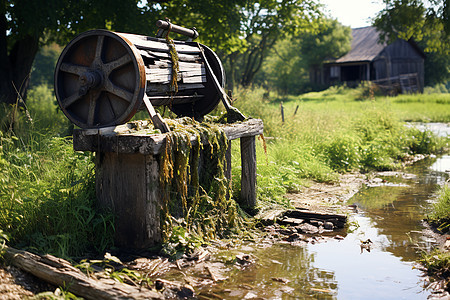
(123, 139)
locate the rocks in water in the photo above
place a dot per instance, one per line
(307, 228)
(281, 279)
(245, 259)
(172, 288)
(328, 225)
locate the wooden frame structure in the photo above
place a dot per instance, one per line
(127, 175)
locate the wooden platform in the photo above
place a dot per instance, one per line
(127, 175)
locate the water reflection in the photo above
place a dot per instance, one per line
(390, 217)
(276, 264)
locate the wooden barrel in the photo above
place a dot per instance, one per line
(101, 77)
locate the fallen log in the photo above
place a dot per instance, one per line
(60, 272)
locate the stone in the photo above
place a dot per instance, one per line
(328, 226)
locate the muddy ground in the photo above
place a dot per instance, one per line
(15, 284)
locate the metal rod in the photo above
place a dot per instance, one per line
(192, 33)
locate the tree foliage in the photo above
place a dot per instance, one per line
(263, 23)
(428, 23)
(289, 61)
(241, 30)
(406, 19)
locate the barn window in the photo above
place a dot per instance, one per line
(334, 71)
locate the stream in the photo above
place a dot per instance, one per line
(390, 213)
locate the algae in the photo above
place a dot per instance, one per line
(194, 186)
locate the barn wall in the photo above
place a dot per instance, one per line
(400, 58)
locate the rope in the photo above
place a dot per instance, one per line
(175, 65)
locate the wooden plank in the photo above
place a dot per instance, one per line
(142, 42)
(60, 272)
(166, 56)
(155, 88)
(194, 79)
(167, 64)
(338, 220)
(121, 139)
(248, 173)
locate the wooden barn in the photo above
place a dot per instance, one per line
(398, 66)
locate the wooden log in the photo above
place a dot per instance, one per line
(248, 173)
(60, 272)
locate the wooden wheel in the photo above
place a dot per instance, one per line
(99, 79)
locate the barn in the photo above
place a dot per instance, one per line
(398, 66)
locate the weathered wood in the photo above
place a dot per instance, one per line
(121, 139)
(338, 220)
(165, 55)
(159, 88)
(148, 43)
(128, 186)
(60, 272)
(127, 174)
(248, 173)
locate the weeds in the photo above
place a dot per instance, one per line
(47, 194)
(440, 215)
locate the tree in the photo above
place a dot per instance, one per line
(26, 25)
(290, 60)
(263, 24)
(330, 42)
(406, 19)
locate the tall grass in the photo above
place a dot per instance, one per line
(332, 132)
(47, 192)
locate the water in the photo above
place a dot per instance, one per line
(390, 215)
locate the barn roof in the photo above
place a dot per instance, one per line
(365, 46)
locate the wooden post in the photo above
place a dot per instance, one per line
(128, 186)
(228, 168)
(282, 112)
(248, 173)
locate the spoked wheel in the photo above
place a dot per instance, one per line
(99, 79)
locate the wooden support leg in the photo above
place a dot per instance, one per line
(248, 173)
(127, 185)
(228, 168)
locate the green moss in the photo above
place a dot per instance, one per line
(194, 187)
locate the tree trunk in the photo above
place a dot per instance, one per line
(15, 66)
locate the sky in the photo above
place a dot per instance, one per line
(353, 13)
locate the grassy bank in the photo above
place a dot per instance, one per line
(336, 131)
(47, 197)
(438, 262)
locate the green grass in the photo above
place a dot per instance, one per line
(47, 193)
(440, 214)
(334, 131)
(47, 190)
